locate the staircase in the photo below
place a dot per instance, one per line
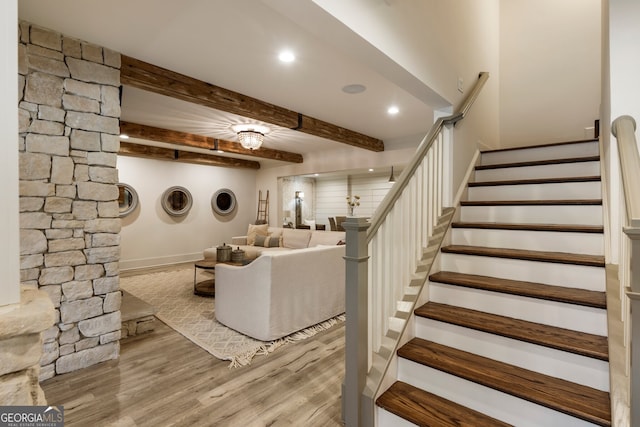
(514, 330)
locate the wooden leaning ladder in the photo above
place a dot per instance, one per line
(263, 209)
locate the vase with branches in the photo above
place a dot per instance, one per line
(352, 202)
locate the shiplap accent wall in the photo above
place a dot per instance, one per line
(371, 190)
(331, 193)
(330, 198)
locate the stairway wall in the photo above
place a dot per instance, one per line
(549, 50)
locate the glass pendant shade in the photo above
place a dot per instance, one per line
(250, 140)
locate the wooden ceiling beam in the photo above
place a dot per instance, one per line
(135, 130)
(143, 75)
(159, 153)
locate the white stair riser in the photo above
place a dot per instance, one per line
(577, 243)
(572, 276)
(563, 170)
(569, 316)
(554, 191)
(387, 419)
(554, 214)
(561, 364)
(494, 403)
(564, 151)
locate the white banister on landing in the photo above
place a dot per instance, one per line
(623, 128)
(388, 262)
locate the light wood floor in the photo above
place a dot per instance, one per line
(163, 379)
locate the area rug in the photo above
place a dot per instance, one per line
(171, 293)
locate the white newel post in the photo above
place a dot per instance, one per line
(357, 312)
(634, 298)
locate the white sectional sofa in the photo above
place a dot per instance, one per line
(284, 289)
(287, 239)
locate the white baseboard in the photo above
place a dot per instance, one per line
(135, 264)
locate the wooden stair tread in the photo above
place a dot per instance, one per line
(570, 398)
(550, 144)
(428, 410)
(582, 297)
(530, 202)
(581, 343)
(543, 256)
(570, 228)
(529, 181)
(539, 163)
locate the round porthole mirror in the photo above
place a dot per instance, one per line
(177, 201)
(127, 199)
(223, 201)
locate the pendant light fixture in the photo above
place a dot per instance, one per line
(250, 136)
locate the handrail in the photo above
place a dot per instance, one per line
(382, 284)
(394, 194)
(623, 128)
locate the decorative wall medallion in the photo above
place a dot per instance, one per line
(223, 201)
(177, 201)
(127, 199)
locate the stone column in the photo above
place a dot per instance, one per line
(23, 315)
(69, 110)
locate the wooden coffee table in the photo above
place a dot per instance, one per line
(205, 288)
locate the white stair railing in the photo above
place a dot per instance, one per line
(383, 259)
(623, 128)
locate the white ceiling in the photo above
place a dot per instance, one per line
(234, 45)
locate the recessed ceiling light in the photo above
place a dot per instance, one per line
(219, 151)
(286, 56)
(316, 174)
(393, 110)
(370, 170)
(123, 136)
(354, 89)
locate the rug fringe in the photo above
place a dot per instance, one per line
(245, 359)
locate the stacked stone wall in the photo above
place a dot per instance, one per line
(69, 110)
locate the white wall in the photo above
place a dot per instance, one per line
(620, 89)
(437, 42)
(151, 237)
(549, 70)
(624, 33)
(342, 159)
(423, 46)
(331, 193)
(9, 227)
(371, 190)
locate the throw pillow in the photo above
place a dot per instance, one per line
(311, 223)
(267, 242)
(256, 230)
(296, 239)
(276, 232)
